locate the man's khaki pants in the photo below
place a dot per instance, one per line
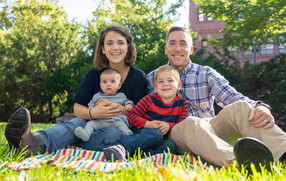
(212, 138)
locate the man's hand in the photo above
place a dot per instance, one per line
(261, 117)
(106, 109)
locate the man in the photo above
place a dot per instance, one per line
(210, 136)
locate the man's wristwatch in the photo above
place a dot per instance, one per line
(260, 103)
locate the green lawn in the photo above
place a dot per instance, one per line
(174, 172)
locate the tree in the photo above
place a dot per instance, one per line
(265, 81)
(44, 57)
(248, 22)
(38, 45)
(148, 21)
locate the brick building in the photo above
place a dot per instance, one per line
(207, 27)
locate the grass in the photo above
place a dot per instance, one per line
(173, 172)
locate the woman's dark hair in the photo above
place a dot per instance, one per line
(100, 60)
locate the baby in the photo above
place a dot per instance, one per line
(110, 83)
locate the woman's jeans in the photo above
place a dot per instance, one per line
(62, 135)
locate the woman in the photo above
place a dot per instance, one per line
(114, 50)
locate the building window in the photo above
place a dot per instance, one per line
(201, 15)
(282, 44)
(266, 49)
(209, 17)
(247, 52)
(233, 51)
(282, 49)
(204, 43)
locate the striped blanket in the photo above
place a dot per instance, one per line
(81, 159)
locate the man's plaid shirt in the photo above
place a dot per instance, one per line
(201, 85)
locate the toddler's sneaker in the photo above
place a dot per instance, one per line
(115, 153)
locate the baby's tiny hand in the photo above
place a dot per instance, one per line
(128, 107)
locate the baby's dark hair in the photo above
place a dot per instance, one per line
(110, 71)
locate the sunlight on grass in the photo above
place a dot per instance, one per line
(180, 171)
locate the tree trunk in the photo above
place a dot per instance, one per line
(50, 111)
(42, 117)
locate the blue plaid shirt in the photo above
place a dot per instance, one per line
(201, 85)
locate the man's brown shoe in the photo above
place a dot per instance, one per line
(249, 151)
(282, 159)
(18, 132)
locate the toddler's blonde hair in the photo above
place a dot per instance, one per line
(165, 68)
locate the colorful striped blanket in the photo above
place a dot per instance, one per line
(81, 159)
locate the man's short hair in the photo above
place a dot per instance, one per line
(177, 28)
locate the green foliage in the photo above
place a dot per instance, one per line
(212, 61)
(39, 45)
(265, 81)
(148, 21)
(248, 21)
(44, 57)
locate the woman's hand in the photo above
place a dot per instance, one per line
(103, 110)
(106, 109)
